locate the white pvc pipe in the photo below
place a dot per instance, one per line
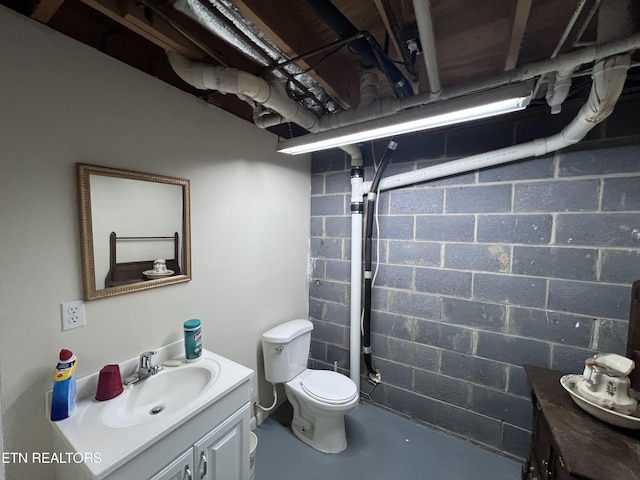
(251, 88)
(231, 80)
(355, 313)
(608, 79)
(389, 106)
(532, 70)
(422, 10)
(559, 89)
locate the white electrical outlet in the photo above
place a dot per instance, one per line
(73, 314)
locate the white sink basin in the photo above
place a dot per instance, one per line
(162, 394)
(144, 412)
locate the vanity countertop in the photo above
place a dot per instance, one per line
(86, 431)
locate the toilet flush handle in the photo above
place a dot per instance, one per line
(279, 349)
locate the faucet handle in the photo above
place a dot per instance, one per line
(145, 358)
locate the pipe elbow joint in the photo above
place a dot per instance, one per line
(252, 86)
(185, 69)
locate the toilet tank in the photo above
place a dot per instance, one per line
(285, 349)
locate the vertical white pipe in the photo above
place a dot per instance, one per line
(422, 10)
(356, 280)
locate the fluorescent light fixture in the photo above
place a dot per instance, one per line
(450, 112)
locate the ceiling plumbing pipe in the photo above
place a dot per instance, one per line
(558, 88)
(231, 80)
(389, 106)
(608, 80)
(374, 375)
(242, 83)
(422, 9)
(532, 70)
(250, 88)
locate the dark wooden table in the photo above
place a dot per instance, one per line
(567, 443)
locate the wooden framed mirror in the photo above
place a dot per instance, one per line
(128, 221)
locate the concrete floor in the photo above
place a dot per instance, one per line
(382, 446)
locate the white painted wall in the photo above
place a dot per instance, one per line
(61, 103)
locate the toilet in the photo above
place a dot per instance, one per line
(320, 398)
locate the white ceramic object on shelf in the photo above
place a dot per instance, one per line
(571, 384)
(153, 274)
(606, 382)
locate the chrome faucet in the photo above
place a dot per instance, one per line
(145, 369)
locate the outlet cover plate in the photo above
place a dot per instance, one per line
(73, 314)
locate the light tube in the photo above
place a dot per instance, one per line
(432, 116)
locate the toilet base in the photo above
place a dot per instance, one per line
(319, 425)
(326, 434)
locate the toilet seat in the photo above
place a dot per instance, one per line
(329, 387)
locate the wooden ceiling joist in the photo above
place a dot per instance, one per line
(276, 25)
(45, 10)
(160, 33)
(520, 17)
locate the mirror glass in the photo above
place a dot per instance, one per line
(135, 230)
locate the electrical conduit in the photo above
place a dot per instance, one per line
(374, 375)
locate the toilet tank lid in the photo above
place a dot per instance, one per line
(285, 332)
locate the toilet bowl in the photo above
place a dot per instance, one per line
(320, 398)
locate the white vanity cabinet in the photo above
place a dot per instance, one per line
(180, 469)
(215, 443)
(206, 438)
(219, 455)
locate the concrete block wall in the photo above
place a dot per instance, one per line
(481, 273)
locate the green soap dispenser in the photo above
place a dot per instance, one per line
(63, 399)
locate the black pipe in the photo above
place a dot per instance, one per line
(374, 375)
(372, 55)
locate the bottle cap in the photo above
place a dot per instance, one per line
(65, 355)
(191, 324)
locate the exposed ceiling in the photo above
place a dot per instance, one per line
(474, 40)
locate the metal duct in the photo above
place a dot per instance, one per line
(255, 45)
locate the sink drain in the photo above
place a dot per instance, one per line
(156, 410)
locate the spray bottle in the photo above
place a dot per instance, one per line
(63, 399)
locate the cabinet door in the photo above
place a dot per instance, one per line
(180, 469)
(223, 454)
(541, 444)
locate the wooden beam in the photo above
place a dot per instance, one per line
(160, 33)
(520, 17)
(45, 10)
(293, 39)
